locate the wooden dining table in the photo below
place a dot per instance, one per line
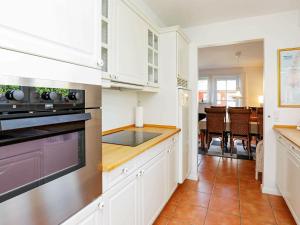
(202, 128)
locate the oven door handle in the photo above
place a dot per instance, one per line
(14, 124)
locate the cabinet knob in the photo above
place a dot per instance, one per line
(100, 63)
(169, 150)
(101, 205)
(125, 171)
(142, 172)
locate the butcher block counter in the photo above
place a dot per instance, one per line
(115, 155)
(289, 132)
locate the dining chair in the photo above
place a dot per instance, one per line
(240, 128)
(260, 123)
(215, 125)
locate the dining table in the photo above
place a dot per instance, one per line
(202, 129)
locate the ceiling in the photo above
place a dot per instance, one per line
(196, 12)
(252, 55)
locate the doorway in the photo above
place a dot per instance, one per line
(231, 76)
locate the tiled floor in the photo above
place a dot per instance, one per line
(226, 194)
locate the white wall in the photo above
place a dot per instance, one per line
(278, 31)
(118, 108)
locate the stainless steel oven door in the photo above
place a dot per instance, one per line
(56, 201)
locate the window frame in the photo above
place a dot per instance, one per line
(208, 89)
(215, 91)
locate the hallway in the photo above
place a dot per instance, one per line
(226, 194)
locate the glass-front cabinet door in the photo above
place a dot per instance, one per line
(105, 35)
(152, 59)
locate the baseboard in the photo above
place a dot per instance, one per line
(193, 176)
(271, 191)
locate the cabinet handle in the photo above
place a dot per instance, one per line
(139, 174)
(169, 150)
(101, 205)
(142, 172)
(174, 139)
(125, 171)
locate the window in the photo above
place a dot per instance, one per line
(203, 90)
(226, 90)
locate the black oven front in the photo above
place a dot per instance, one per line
(50, 146)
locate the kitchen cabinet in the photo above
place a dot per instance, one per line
(90, 215)
(121, 203)
(152, 58)
(182, 57)
(287, 174)
(66, 30)
(144, 185)
(153, 186)
(131, 45)
(172, 167)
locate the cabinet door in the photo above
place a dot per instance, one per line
(121, 203)
(153, 187)
(131, 45)
(172, 169)
(293, 182)
(182, 57)
(281, 165)
(67, 30)
(92, 219)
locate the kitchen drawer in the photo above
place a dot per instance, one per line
(150, 154)
(116, 175)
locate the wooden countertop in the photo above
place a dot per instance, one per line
(289, 132)
(116, 155)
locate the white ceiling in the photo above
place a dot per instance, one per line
(252, 55)
(196, 12)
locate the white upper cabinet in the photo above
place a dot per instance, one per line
(182, 57)
(131, 45)
(152, 58)
(66, 30)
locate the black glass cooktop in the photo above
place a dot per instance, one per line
(129, 138)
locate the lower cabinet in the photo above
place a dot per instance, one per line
(139, 198)
(287, 175)
(172, 167)
(90, 215)
(121, 203)
(152, 189)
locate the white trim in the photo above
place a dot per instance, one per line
(175, 29)
(193, 176)
(271, 190)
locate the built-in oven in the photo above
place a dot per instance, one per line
(50, 149)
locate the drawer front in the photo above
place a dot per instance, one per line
(113, 177)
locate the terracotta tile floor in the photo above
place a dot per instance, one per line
(226, 194)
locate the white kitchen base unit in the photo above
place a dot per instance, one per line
(135, 192)
(288, 174)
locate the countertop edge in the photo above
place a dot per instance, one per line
(119, 163)
(279, 129)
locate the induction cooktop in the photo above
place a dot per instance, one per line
(129, 138)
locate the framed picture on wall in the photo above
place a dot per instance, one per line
(289, 77)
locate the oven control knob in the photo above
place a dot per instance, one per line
(73, 95)
(16, 95)
(49, 95)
